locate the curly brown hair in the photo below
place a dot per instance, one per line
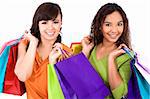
(99, 20)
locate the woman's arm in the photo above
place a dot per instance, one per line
(25, 61)
(124, 71)
(113, 74)
(116, 77)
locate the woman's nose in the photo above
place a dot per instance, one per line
(114, 29)
(50, 25)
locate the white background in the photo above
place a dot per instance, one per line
(16, 16)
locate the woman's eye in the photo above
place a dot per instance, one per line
(120, 24)
(56, 22)
(44, 22)
(107, 24)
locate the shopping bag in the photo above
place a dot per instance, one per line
(54, 89)
(140, 87)
(133, 87)
(145, 71)
(67, 90)
(65, 86)
(3, 63)
(144, 86)
(77, 74)
(6, 44)
(12, 85)
(76, 47)
(9, 43)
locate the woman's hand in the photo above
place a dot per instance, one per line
(117, 52)
(55, 53)
(87, 45)
(29, 37)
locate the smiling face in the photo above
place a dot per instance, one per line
(112, 27)
(50, 29)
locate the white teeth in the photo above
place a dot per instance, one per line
(49, 33)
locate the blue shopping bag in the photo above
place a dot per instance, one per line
(4, 54)
(144, 86)
(141, 85)
(3, 63)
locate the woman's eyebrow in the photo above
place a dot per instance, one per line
(107, 22)
(120, 21)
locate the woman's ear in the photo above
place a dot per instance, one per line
(100, 28)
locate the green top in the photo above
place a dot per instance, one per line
(101, 66)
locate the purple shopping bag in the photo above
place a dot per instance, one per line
(79, 80)
(133, 89)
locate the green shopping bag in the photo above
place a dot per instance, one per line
(54, 89)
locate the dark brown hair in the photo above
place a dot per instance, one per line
(99, 20)
(46, 11)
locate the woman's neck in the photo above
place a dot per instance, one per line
(107, 47)
(46, 43)
(45, 46)
(44, 49)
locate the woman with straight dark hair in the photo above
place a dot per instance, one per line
(109, 34)
(35, 50)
